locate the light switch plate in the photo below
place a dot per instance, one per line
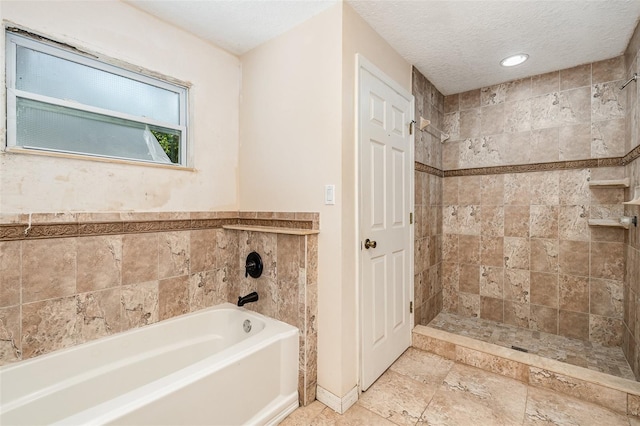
(329, 194)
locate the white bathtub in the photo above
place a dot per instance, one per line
(196, 369)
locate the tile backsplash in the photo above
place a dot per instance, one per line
(70, 279)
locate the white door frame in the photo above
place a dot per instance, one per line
(363, 63)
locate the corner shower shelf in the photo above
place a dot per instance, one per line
(611, 183)
(635, 201)
(612, 223)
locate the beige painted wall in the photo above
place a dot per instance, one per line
(290, 116)
(297, 134)
(31, 183)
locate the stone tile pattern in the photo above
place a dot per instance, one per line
(594, 356)
(429, 104)
(631, 291)
(428, 204)
(571, 114)
(516, 246)
(517, 249)
(60, 292)
(574, 385)
(421, 388)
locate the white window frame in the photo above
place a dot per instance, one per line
(13, 40)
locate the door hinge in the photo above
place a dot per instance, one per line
(411, 218)
(411, 307)
(411, 126)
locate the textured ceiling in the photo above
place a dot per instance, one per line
(235, 25)
(456, 44)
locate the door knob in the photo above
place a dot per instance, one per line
(369, 244)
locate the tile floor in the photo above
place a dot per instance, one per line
(585, 354)
(421, 388)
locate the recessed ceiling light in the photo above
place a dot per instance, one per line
(514, 60)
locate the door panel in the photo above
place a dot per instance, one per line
(386, 160)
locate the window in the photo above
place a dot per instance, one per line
(62, 101)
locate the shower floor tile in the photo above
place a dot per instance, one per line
(594, 356)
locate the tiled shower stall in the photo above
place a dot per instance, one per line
(505, 204)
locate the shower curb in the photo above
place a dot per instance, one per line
(615, 393)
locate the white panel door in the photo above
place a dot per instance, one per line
(386, 169)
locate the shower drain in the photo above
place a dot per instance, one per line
(518, 348)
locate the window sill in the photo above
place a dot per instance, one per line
(23, 151)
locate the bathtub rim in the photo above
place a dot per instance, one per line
(276, 331)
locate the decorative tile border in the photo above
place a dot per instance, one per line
(536, 167)
(421, 167)
(632, 155)
(24, 231)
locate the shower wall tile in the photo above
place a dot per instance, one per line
(573, 324)
(516, 313)
(430, 219)
(544, 289)
(574, 142)
(516, 221)
(545, 83)
(492, 221)
(543, 318)
(469, 190)
(537, 253)
(573, 258)
(545, 145)
(608, 70)
(492, 309)
(544, 255)
(558, 274)
(572, 78)
(516, 253)
(607, 260)
(517, 285)
(491, 281)
(469, 249)
(470, 99)
(451, 103)
(608, 138)
(544, 221)
(606, 298)
(573, 293)
(607, 101)
(491, 251)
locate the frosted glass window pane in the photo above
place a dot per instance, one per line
(59, 78)
(41, 125)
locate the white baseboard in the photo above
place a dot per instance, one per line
(337, 404)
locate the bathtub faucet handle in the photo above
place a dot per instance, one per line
(253, 265)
